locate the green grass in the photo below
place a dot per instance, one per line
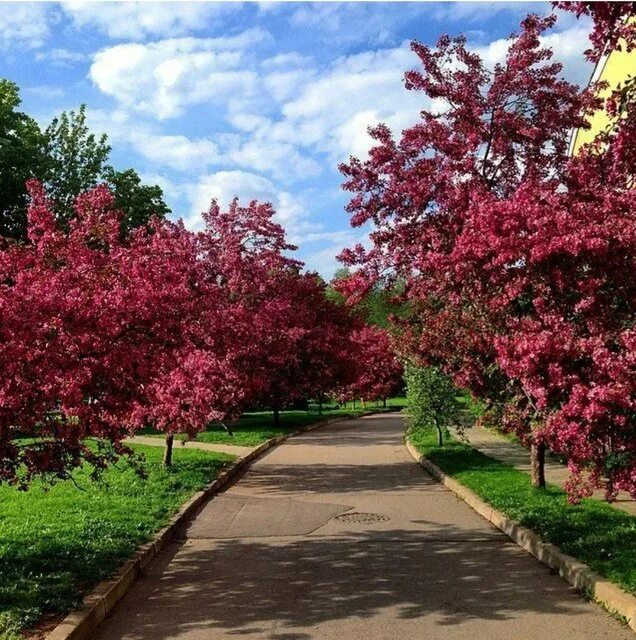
(594, 532)
(56, 544)
(472, 407)
(398, 402)
(256, 427)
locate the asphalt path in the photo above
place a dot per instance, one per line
(338, 534)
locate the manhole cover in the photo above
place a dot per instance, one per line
(361, 518)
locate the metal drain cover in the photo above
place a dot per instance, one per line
(361, 518)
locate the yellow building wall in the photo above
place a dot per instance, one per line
(614, 69)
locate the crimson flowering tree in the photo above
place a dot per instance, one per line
(310, 343)
(104, 333)
(101, 336)
(561, 270)
(214, 369)
(44, 374)
(249, 250)
(571, 346)
(72, 350)
(516, 260)
(294, 339)
(375, 370)
(198, 369)
(496, 128)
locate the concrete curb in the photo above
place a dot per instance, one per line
(82, 623)
(578, 574)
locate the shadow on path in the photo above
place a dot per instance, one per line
(334, 478)
(247, 587)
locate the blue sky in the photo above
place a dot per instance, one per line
(259, 100)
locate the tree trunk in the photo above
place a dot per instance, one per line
(440, 439)
(167, 455)
(353, 402)
(276, 416)
(384, 403)
(537, 464)
(228, 429)
(364, 406)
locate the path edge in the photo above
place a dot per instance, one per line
(81, 623)
(578, 574)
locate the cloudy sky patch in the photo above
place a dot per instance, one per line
(255, 100)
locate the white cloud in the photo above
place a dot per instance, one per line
(176, 152)
(164, 77)
(137, 20)
(324, 260)
(289, 107)
(45, 92)
(377, 23)
(471, 12)
(280, 159)
(326, 16)
(352, 137)
(311, 111)
(287, 61)
(568, 46)
(170, 189)
(332, 112)
(317, 112)
(364, 22)
(269, 6)
(225, 185)
(24, 23)
(248, 121)
(283, 85)
(60, 57)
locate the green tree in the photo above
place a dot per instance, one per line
(377, 306)
(75, 159)
(69, 159)
(331, 292)
(21, 158)
(138, 201)
(432, 400)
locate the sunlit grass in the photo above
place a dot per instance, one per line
(56, 543)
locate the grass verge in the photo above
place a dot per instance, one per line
(256, 427)
(57, 543)
(594, 532)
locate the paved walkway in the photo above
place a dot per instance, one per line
(288, 554)
(193, 444)
(496, 446)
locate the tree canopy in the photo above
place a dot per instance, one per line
(517, 259)
(68, 159)
(22, 156)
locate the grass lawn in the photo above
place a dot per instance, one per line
(254, 428)
(398, 402)
(594, 532)
(56, 544)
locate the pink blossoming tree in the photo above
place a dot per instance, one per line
(517, 260)
(102, 336)
(376, 372)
